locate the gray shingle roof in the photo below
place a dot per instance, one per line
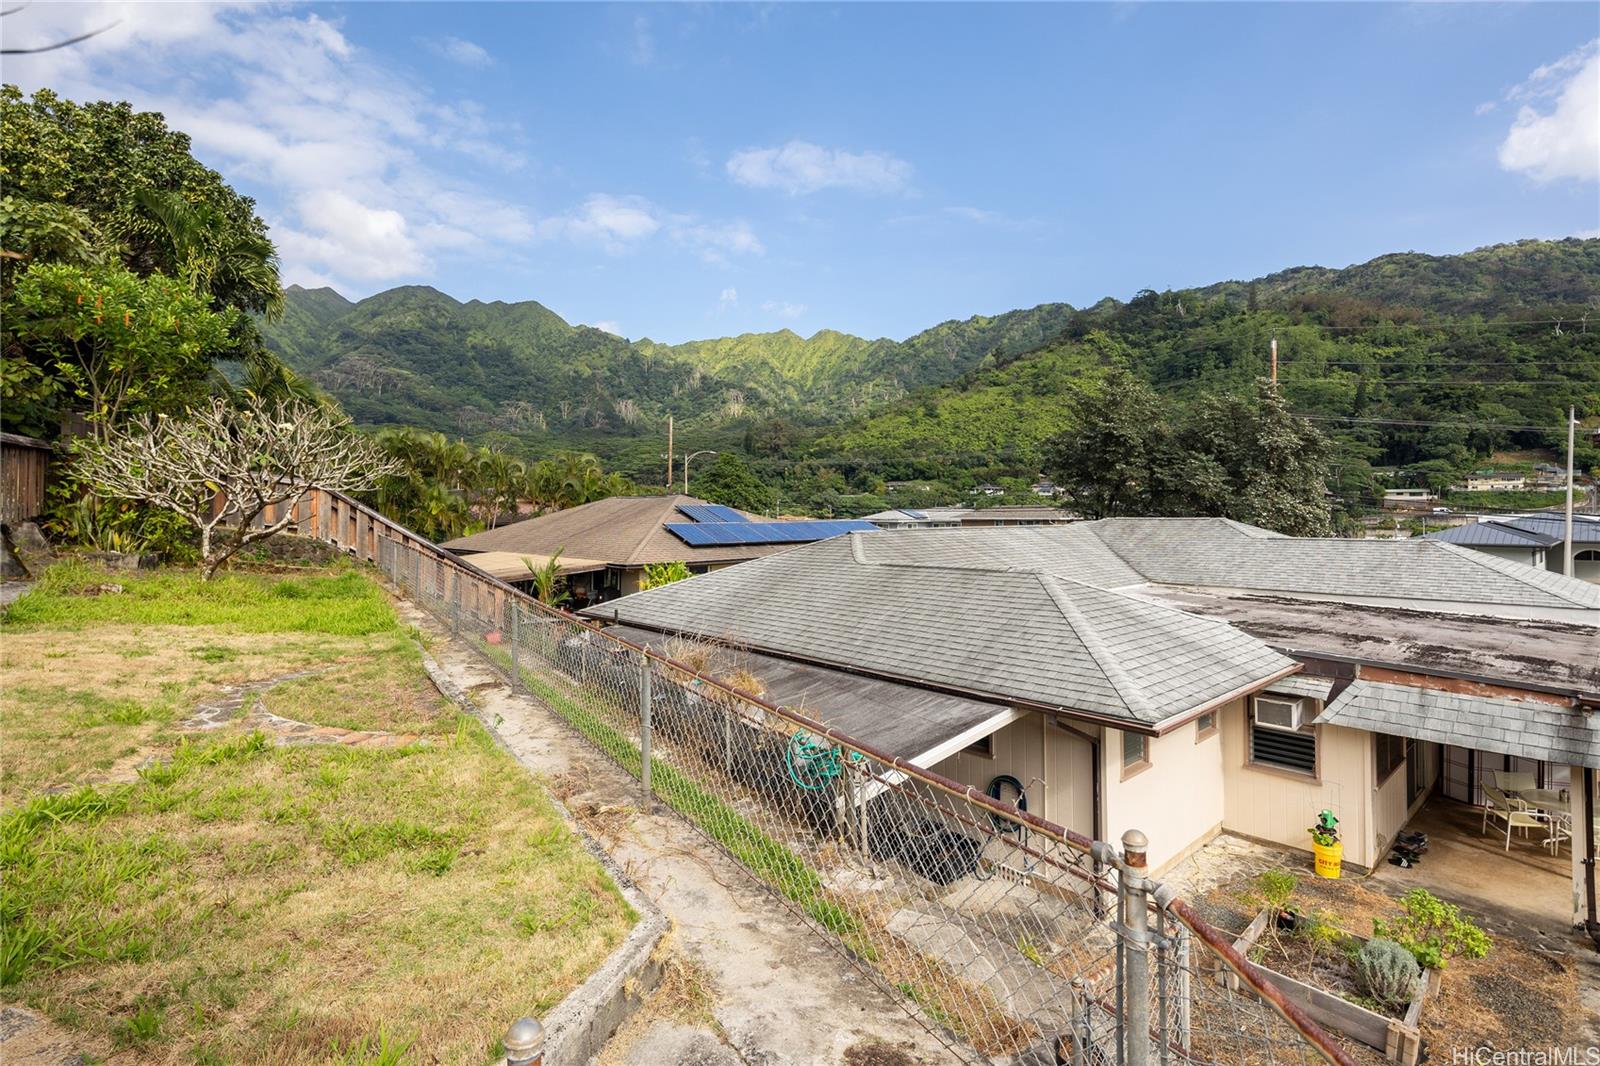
(1000, 631)
(1219, 554)
(1526, 728)
(1316, 688)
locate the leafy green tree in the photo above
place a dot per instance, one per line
(1249, 458)
(658, 574)
(120, 343)
(1115, 457)
(112, 165)
(730, 481)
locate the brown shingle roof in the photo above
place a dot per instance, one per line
(621, 530)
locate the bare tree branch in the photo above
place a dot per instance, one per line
(221, 466)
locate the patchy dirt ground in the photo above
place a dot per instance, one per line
(1515, 998)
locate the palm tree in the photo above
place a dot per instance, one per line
(549, 587)
(233, 266)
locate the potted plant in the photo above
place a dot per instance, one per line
(1327, 849)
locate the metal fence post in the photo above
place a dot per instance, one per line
(455, 601)
(1134, 892)
(516, 642)
(644, 725)
(524, 1043)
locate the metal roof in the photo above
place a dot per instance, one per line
(1493, 534)
(1530, 729)
(997, 632)
(512, 566)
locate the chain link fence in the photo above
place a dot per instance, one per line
(1010, 938)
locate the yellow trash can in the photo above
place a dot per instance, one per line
(1327, 858)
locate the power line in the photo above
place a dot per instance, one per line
(1418, 422)
(1434, 381)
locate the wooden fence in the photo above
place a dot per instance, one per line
(24, 465)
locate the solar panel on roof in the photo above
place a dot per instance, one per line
(711, 512)
(720, 534)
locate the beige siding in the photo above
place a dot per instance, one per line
(1279, 805)
(1018, 751)
(1390, 811)
(1177, 801)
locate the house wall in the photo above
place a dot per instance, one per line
(1526, 556)
(1278, 805)
(1390, 811)
(1177, 801)
(1018, 751)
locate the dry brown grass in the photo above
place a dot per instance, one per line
(686, 995)
(244, 902)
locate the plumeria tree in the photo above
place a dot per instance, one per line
(221, 466)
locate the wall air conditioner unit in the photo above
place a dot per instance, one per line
(1281, 714)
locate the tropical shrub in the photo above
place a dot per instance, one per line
(1433, 930)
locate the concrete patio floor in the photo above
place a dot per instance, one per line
(1526, 885)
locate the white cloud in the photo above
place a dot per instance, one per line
(282, 99)
(614, 222)
(462, 51)
(608, 326)
(799, 167)
(729, 298)
(1557, 130)
(620, 223)
(1587, 234)
(783, 309)
(642, 49)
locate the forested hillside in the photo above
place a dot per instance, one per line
(1493, 343)
(1397, 385)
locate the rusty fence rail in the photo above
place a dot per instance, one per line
(1007, 936)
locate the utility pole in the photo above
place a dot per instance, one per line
(1572, 429)
(669, 453)
(1274, 358)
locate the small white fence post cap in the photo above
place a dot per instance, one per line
(1133, 840)
(524, 1041)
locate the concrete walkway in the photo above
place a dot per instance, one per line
(778, 993)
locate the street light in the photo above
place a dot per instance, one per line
(686, 459)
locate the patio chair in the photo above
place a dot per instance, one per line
(1500, 806)
(1513, 781)
(1560, 829)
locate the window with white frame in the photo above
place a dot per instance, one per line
(1281, 735)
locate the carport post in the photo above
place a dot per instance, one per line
(644, 725)
(1134, 892)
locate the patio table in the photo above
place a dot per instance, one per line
(1545, 799)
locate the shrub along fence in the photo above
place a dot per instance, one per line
(1008, 936)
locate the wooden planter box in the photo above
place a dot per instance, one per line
(1400, 1039)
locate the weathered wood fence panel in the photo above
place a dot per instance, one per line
(24, 464)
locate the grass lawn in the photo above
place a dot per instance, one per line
(171, 895)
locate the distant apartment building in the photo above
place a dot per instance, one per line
(1490, 481)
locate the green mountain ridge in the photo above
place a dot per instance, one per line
(982, 393)
(1409, 362)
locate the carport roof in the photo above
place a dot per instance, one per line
(1530, 729)
(915, 723)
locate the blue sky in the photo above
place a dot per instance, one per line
(680, 171)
